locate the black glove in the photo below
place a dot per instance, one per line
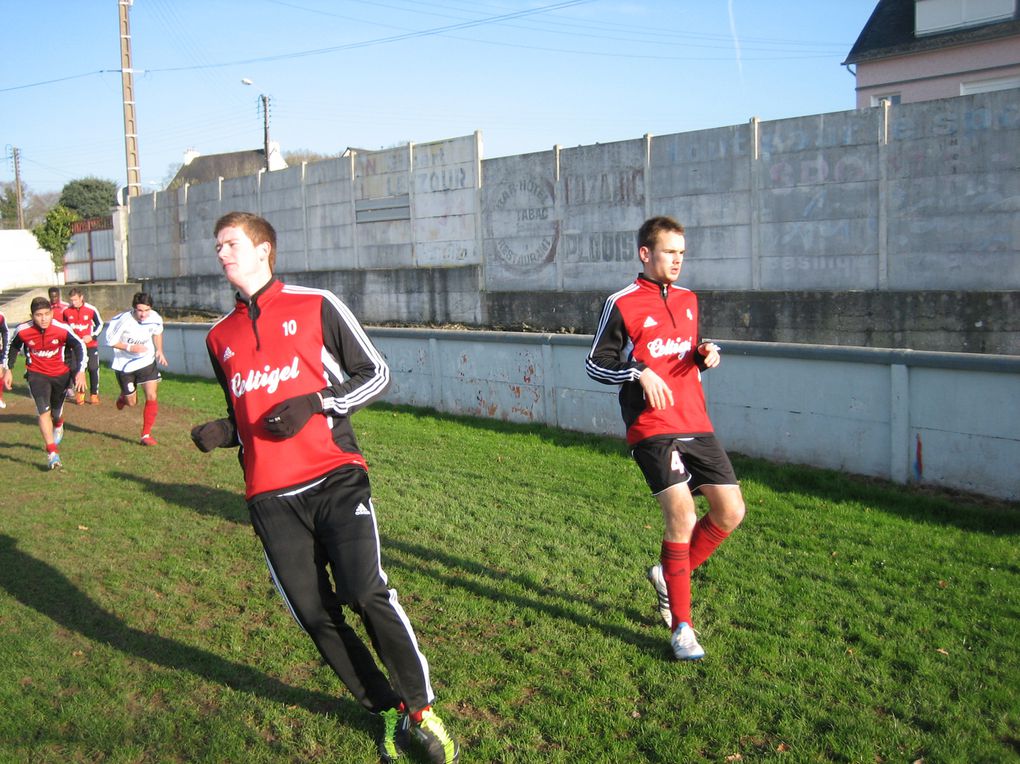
(287, 418)
(219, 433)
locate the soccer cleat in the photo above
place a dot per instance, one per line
(94, 399)
(148, 440)
(58, 434)
(432, 734)
(685, 644)
(53, 461)
(79, 398)
(2, 404)
(656, 580)
(394, 738)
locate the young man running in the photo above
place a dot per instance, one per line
(84, 318)
(294, 364)
(136, 337)
(647, 342)
(3, 349)
(57, 305)
(49, 375)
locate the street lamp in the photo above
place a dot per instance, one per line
(264, 99)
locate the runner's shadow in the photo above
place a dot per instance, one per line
(45, 589)
(230, 506)
(215, 502)
(552, 602)
(92, 432)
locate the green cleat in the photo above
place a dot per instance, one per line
(432, 734)
(394, 738)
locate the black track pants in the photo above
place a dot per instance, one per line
(333, 524)
(93, 369)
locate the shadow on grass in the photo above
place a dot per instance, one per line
(213, 502)
(46, 590)
(603, 444)
(554, 603)
(937, 507)
(71, 427)
(933, 506)
(32, 420)
(230, 506)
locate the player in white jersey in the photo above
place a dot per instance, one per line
(136, 337)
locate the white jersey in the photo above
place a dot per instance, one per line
(126, 328)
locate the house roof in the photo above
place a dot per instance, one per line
(205, 169)
(890, 32)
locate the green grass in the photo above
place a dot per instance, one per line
(847, 620)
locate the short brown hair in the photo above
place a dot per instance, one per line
(38, 304)
(257, 228)
(141, 298)
(648, 233)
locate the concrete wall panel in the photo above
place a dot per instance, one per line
(851, 409)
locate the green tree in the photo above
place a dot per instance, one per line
(298, 156)
(55, 233)
(9, 204)
(89, 197)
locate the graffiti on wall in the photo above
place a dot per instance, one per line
(522, 222)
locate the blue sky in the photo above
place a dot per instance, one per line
(369, 74)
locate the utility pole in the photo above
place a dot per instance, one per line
(134, 184)
(265, 127)
(17, 187)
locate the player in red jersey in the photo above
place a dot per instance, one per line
(84, 318)
(49, 375)
(3, 348)
(56, 304)
(647, 342)
(294, 364)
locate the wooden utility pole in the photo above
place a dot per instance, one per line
(134, 183)
(17, 187)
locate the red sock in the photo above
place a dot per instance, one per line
(149, 417)
(676, 569)
(58, 422)
(51, 448)
(416, 715)
(706, 539)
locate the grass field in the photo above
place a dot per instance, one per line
(846, 620)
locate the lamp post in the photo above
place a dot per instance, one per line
(264, 101)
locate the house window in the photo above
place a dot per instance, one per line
(892, 98)
(987, 86)
(933, 16)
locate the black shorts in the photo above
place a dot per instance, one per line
(697, 461)
(48, 392)
(129, 380)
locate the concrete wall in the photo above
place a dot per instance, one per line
(23, 263)
(890, 414)
(920, 197)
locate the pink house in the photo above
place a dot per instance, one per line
(918, 50)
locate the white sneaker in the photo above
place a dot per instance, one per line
(655, 579)
(2, 404)
(685, 644)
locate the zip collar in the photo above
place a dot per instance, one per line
(253, 305)
(647, 283)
